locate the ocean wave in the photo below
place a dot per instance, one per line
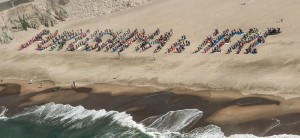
(73, 117)
(65, 121)
(174, 121)
(252, 136)
(3, 110)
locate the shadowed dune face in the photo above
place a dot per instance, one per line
(254, 101)
(9, 89)
(6, 4)
(19, 2)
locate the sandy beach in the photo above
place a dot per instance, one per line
(274, 70)
(241, 93)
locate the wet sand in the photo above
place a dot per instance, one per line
(234, 112)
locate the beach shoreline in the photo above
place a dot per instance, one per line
(229, 109)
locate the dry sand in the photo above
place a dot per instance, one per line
(274, 70)
(214, 83)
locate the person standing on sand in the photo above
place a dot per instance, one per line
(74, 84)
(30, 81)
(119, 55)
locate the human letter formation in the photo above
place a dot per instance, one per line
(118, 41)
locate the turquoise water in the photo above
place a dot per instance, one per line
(61, 121)
(64, 121)
(28, 129)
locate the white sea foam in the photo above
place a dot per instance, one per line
(175, 121)
(74, 117)
(168, 125)
(3, 110)
(252, 136)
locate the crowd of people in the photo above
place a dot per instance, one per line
(226, 39)
(162, 40)
(273, 31)
(61, 39)
(216, 40)
(44, 44)
(37, 37)
(260, 40)
(180, 45)
(109, 44)
(208, 40)
(119, 41)
(248, 37)
(252, 48)
(253, 37)
(147, 42)
(125, 40)
(80, 41)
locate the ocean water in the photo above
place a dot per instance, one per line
(64, 121)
